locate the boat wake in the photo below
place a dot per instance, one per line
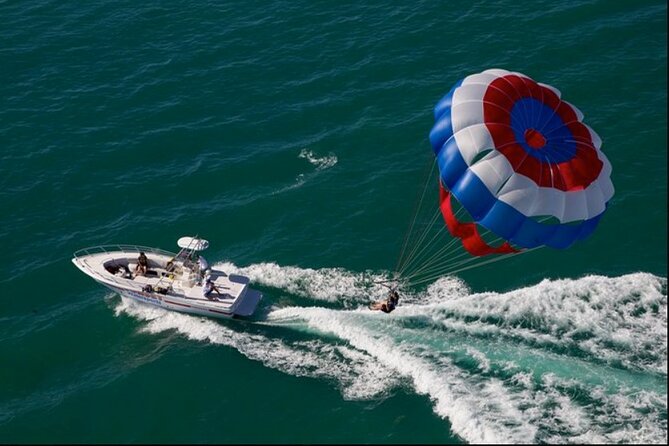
(321, 163)
(581, 360)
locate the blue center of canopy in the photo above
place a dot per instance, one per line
(531, 117)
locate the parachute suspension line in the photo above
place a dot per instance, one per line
(422, 246)
(417, 208)
(443, 268)
(457, 270)
(442, 264)
(436, 261)
(435, 265)
(409, 267)
(438, 269)
(440, 252)
(451, 262)
(430, 261)
(419, 243)
(443, 258)
(496, 259)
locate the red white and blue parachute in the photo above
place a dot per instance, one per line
(520, 161)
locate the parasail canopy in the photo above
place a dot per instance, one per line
(520, 161)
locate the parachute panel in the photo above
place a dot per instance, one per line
(514, 155)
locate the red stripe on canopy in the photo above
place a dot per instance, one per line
(468, 232)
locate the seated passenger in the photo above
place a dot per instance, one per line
(389, 304)
(142, 265)
(124, 272)
(118, 270)
(209, 288)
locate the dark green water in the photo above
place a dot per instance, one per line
(293, 136)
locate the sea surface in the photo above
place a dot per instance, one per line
(293, 135)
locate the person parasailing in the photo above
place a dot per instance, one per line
(389, 304)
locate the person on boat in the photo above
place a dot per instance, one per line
(142, 265)
(189, 259)
(118, 270)
(387, 305)
(210, 288)
(203, 266)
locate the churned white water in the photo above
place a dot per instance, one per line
(321, 163)
(572, 360)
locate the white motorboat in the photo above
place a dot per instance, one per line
(173, 281)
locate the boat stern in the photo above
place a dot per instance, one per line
(248, 303)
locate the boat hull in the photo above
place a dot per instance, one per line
(170, 303)
(168, 281)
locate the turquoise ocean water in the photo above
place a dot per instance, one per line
(293, 136)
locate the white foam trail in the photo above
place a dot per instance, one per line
(619, 320)
(441, 381)
(562, 361)
(533, 404)
(299, 181)
(358, 375)
(327, 284)
(321, 163)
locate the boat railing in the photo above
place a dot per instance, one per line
(128, 249)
